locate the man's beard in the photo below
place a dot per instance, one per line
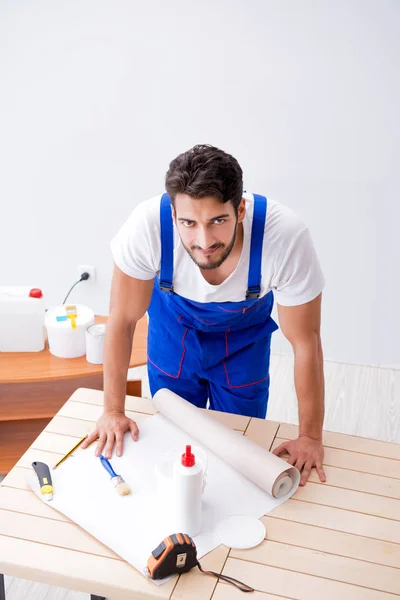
(214, 265)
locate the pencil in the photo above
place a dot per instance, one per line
(70, 451)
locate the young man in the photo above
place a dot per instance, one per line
(206, 260)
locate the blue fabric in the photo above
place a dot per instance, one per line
(216, 351)
(257, 234)
(167, 243)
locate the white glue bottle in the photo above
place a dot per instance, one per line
(188, 484)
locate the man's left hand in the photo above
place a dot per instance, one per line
(304, 454)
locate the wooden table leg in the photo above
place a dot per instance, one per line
(2, 587)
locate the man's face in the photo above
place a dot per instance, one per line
(207, 228)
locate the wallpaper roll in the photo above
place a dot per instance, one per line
(269, 472)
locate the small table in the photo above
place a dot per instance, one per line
(335, 540)
(35, 385)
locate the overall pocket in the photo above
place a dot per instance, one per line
(166, 345)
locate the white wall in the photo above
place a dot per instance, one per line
(97, 97)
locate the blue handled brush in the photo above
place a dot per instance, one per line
(118, 482)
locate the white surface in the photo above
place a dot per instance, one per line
(290, 264)
(240, 532)
(87, 269)
(21, 320)
(133, 525)
(64, 340)
(304, 94)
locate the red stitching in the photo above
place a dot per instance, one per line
(232, 311)
(198, 319)
(244, 384)
(181, 363)
(206, 322)
(226, 368)
(238, 310)
(258, 303)
(226, 342)
(245, 309)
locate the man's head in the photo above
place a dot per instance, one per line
(206, 187)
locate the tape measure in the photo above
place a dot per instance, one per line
(177, 554)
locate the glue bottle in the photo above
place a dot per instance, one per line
(188, 484)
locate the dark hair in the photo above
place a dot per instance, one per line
(205, 170)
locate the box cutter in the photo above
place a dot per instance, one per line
(46, 485)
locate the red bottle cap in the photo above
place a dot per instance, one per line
(188, 459)
(35, 293)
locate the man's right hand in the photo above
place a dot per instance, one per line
(110, 429)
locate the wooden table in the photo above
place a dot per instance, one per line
(34, 386)
(339, 540)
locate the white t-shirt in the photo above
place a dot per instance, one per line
(290, 266)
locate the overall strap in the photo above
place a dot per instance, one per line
(167, 245)
(257, 238)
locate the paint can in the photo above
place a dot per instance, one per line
(95, 343)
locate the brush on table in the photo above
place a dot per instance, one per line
(118, 482)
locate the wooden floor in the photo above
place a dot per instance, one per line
(360, 400)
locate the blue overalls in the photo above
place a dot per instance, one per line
(216, 351)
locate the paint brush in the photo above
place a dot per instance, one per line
(122, 488)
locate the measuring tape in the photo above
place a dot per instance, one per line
(177, 554)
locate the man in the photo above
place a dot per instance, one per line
(205, 260)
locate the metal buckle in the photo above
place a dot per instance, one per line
(166, 287)
(253, 292)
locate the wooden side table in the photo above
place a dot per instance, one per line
(35, 385)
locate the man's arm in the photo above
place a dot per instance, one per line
(130, 298)
(301, 326)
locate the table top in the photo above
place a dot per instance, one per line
(335, 540)
(18, 367)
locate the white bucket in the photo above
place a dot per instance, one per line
(65, 341)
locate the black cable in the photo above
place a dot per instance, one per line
(243, 587)
(84, 277)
